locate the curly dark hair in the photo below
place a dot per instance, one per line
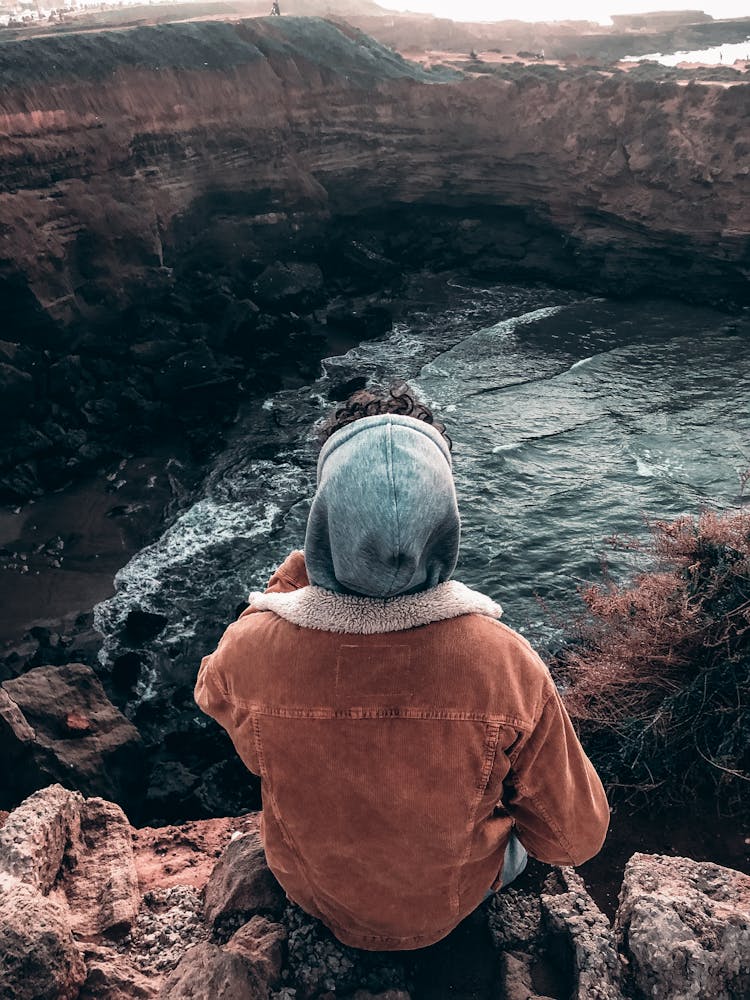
(397, 398)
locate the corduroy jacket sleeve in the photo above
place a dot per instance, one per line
(554, 794)
(212, 689)
(291, 575)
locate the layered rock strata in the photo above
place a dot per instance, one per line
(181, 206)
(123, 150)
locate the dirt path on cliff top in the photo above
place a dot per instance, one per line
(463, 62)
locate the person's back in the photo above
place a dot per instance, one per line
(401, 731)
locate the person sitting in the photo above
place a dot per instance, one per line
(412, 748)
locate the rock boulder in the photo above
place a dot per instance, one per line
(38, 955)
(686, 928)
(209, 971)
(36, 835)
(261, 942)
(102, 889)
(79, 738)
(242, 884)
(571, 914)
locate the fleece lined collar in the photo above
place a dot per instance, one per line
(316, 607)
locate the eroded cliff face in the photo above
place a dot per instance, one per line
(123, 151)
(182, 205)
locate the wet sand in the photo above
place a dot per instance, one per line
(59, 554)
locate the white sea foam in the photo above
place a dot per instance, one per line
(581, 363)
(201, 528)
(644, 469)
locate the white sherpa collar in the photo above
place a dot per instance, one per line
(315, 607)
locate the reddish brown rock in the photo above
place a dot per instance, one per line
(102, 888)
(112, 977)
(209, 971)
(38, 955)
(242, 883)
(77, 724)
(12, 720)
(686, 927)
(81, 848)
(517, 978)
(60, 726)
(185, 855)
(261, 942)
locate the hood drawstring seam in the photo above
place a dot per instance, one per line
(392, 482)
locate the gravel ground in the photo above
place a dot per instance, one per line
(170, 922)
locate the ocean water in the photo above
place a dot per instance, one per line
(717, 55)
(573, 419)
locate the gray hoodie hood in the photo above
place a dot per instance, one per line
(384, 520)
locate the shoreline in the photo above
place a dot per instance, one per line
(59, 554)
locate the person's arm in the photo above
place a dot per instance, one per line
(212, 693)
(553, 792)
(291, 575)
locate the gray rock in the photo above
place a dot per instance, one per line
(686, 928)
(169, 923)
(319, 963)
(39, 959)
(183, 371)
(571, 914)
(242, 883)
(209, 971)
(16, 389)
(35, 836)
(514, 918)
(169, 785)
(385, 995)
(289, 285)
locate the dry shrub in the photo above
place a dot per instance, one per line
(658, 681)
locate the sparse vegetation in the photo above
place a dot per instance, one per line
(659, 681)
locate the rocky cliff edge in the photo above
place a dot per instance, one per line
(92, 909)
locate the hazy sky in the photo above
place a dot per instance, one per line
(549, 10)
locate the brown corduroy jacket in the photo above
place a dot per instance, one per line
(397, 754)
